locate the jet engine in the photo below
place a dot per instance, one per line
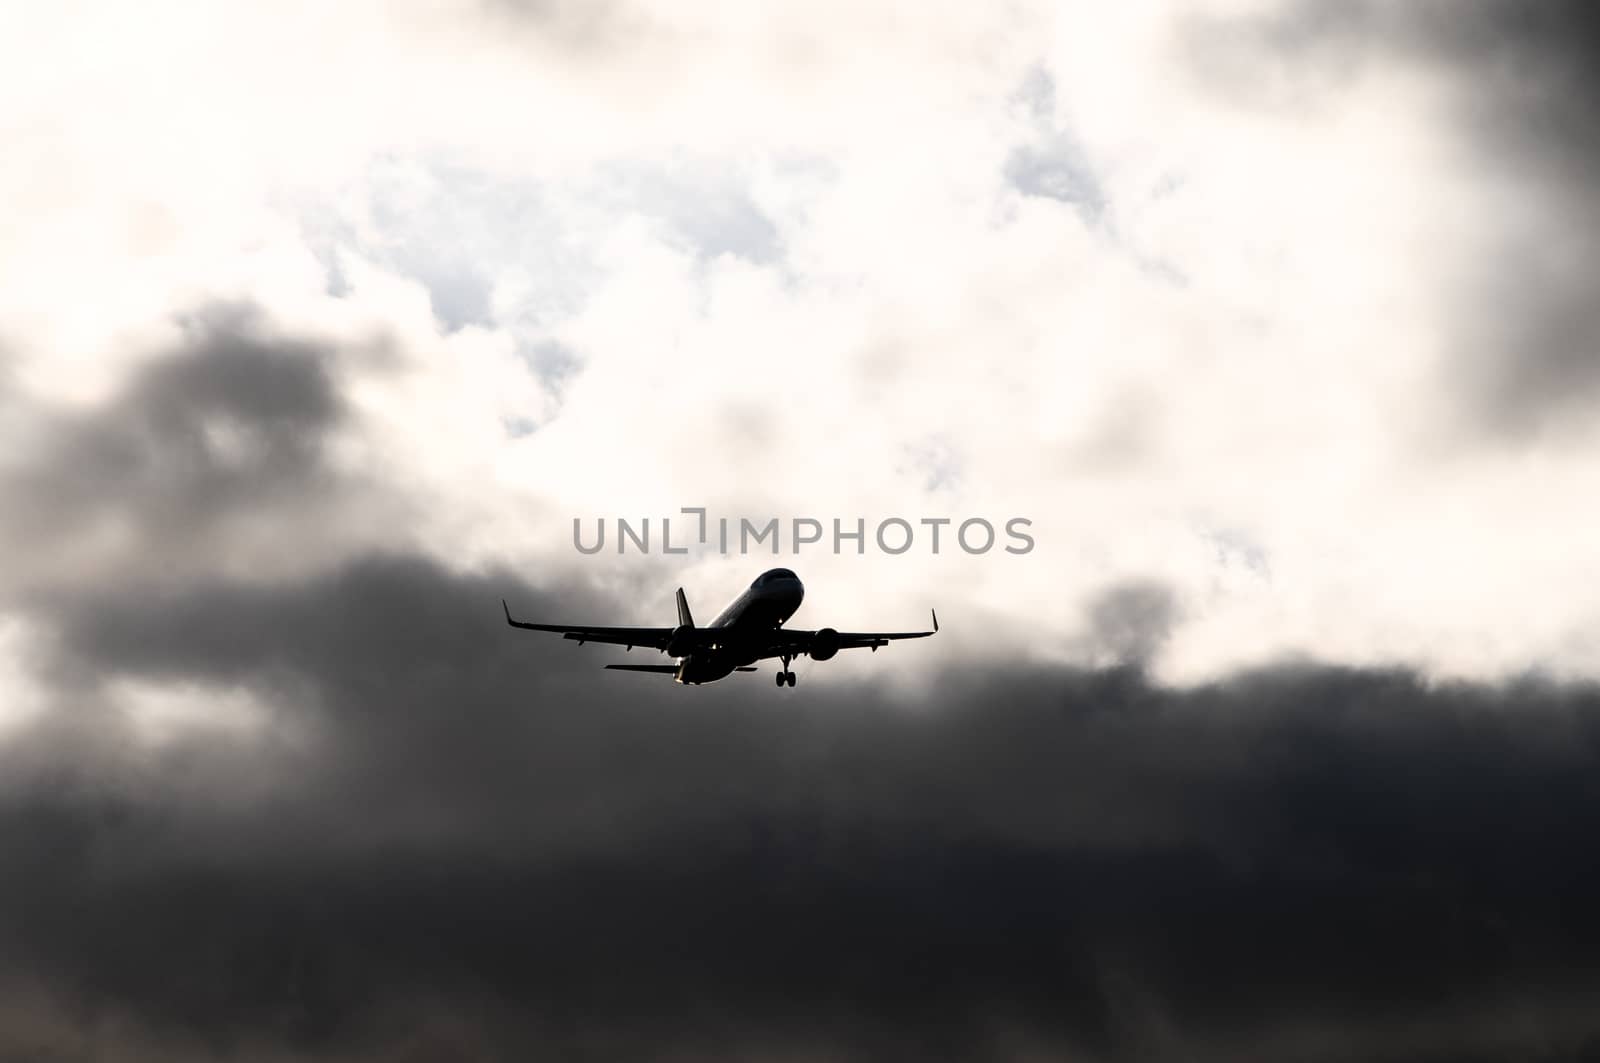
(824, 644)
(681, 644)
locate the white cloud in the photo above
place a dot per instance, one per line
(781, 267)
(21, 695)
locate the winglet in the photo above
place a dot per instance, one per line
(507, 608)
(935, 621)
(684, 619)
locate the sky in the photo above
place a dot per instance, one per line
(320, 326)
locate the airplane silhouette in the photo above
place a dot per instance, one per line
(749, 630)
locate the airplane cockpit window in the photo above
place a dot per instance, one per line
(773, 575)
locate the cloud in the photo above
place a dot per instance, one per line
(276, 780)
(1130, 622)
(346, 813)
(482, 842)
(1521, 359)
(216, 452)
(629, 261)
(1053, 165)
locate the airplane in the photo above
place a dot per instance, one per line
(749, 630)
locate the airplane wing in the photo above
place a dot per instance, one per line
(658, 669)
(654, 637)
(793, 643)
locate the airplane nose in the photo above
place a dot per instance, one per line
(796, 592)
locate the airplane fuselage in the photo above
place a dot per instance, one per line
(744, 628)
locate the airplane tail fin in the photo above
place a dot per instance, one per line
(684, 619)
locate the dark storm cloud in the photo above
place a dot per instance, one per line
(489, 845)
(1523, 359)
(443, 838)
(226, 433)
(1130, 622)
(229, 416)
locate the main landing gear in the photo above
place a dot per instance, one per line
(785, 677)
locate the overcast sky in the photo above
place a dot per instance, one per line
(320, 324)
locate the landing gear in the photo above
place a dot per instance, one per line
(785, 677)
